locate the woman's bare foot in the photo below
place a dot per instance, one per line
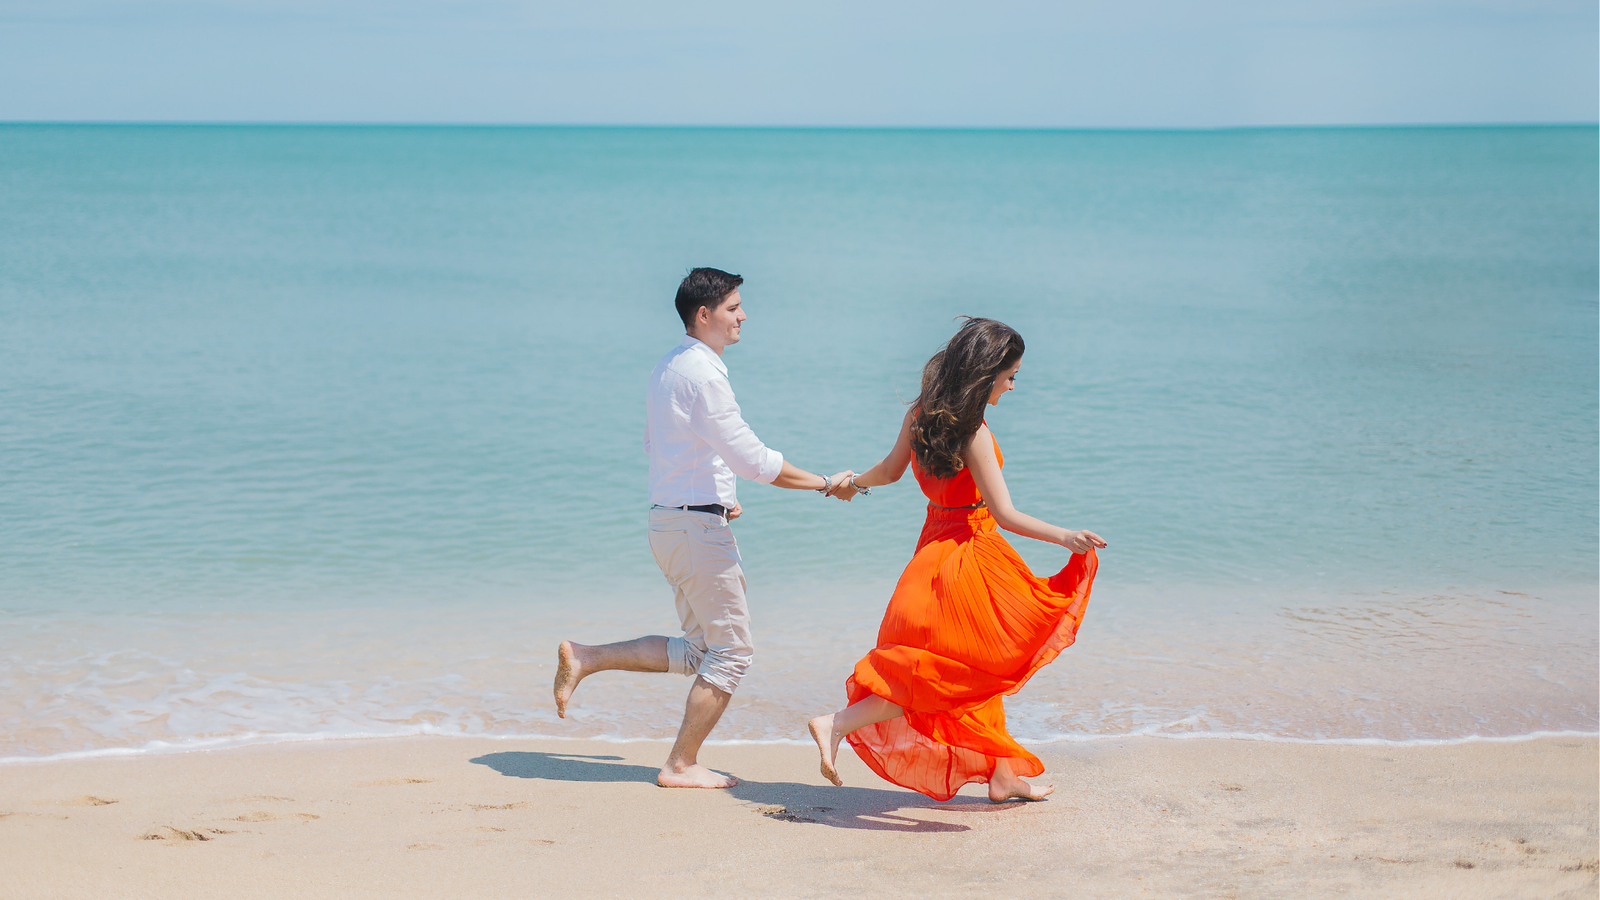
(828, 745)
(1014, 788)
(568, 673)
(695, 776)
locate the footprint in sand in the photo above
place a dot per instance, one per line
(89, 800)
(483, 806)
(387, 781)
(168, 833)
(262, 815)
(783, 814)
(424, 846)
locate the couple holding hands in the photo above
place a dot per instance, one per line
(968, 622)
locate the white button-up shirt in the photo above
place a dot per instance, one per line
(696, 439)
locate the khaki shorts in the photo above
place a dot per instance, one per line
(697, 553)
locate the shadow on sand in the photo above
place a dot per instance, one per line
(807, 804)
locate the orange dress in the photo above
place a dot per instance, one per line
(968, 624)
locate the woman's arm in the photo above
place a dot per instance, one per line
(985, 467)
(887, 471)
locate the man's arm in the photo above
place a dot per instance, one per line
(716, 420)
(798, 479)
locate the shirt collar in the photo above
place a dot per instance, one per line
(694, 342)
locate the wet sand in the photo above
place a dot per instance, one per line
(481, 818)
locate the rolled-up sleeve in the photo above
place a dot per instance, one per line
(715, 419)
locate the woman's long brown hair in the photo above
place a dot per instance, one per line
(956, 384)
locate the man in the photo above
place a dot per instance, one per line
(697, 443)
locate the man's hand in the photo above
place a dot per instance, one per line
(841, 486)
(736, 512)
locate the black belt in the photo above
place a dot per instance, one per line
(713, 508)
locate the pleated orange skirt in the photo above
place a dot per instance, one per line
(968, 624)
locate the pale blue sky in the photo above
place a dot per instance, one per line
(1016, 63)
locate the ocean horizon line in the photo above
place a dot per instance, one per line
(853, 129)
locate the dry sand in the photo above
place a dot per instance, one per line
(479, 818)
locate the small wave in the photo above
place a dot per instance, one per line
(232, 742)
(172, 684)
(1336, 742)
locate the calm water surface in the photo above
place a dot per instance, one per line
(319, 431)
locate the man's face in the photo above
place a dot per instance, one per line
(722, 324)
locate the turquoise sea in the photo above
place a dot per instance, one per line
(322, 431)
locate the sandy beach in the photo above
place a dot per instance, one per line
(483, 818)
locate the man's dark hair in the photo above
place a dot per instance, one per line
(704, 287)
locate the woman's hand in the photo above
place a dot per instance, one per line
(1081, 541)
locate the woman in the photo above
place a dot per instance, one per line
(968, 622)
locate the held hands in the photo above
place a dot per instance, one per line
(1081, 541)
(841, 486)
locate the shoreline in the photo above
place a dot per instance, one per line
(504, 817)
(1421, 669)
(222, 744)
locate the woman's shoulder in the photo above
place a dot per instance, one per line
(982, 437)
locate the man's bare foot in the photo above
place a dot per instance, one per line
(568, 673)
(1016, 789)
(694, 777)
(828, 745)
